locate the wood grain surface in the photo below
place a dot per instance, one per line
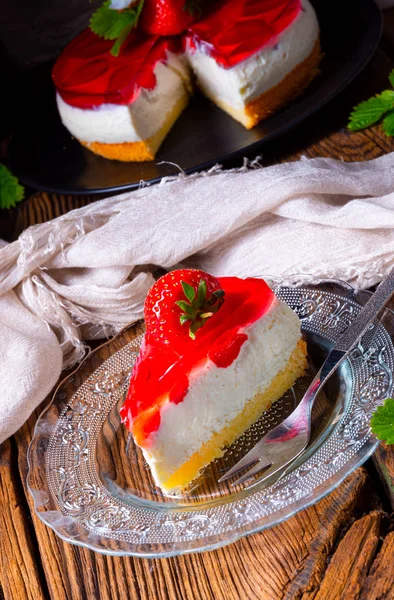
(340, 548)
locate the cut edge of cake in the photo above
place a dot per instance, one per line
(142, 150)
(266, 81)
(253, 410)
(133, 132)
(269, 102)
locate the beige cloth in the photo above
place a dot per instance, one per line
(87, 273)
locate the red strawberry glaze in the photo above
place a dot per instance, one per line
(86, 74)
(234, 30)
(162, 375)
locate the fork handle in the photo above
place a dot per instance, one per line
(345, 343)
(367, 314)
(348, 339)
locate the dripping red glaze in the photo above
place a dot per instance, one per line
(163, 375)
(235, 29)
(86, 74)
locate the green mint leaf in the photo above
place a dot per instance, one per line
(391, 77)
(117, 45)
(387, 96)
(188, 290)
(202, 292)
(112, 24)
(187, 308)
(109, 23)
(371, 111)
(388, 123)
(382, 422)
(139, 9)
(11, 191)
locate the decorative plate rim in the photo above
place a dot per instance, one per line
(204, 543)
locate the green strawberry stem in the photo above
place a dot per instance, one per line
(196, 310)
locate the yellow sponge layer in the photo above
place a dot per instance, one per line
(281, 94)
(261, 402)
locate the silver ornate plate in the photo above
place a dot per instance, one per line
(90, 482)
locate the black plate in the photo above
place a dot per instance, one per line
(45, 156)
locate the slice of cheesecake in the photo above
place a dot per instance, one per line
(121, 107)
(190, 396)
(252, 57)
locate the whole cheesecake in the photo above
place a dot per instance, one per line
(250, 57)
(194, 392)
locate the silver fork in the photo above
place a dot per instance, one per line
(281, 446)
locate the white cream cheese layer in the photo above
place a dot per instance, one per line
(217, 395)
(246, 81)
(140, 120)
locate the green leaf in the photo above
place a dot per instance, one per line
(183, 318)
(391, 77)
(388, 124)
(187, 308)
(382, 422)
(188, 290)
(11, 191)
(202, 292)
(371, 111)
(117, 45)
(109, 23)
(112, 24)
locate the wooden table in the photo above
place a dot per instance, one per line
(341, 548)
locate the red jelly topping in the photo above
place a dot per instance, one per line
(162, 375)
(236, 29)
(87, 75)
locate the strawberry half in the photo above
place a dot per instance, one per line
(179, 304)
(167, 17)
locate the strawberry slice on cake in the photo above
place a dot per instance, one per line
(216, 354)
